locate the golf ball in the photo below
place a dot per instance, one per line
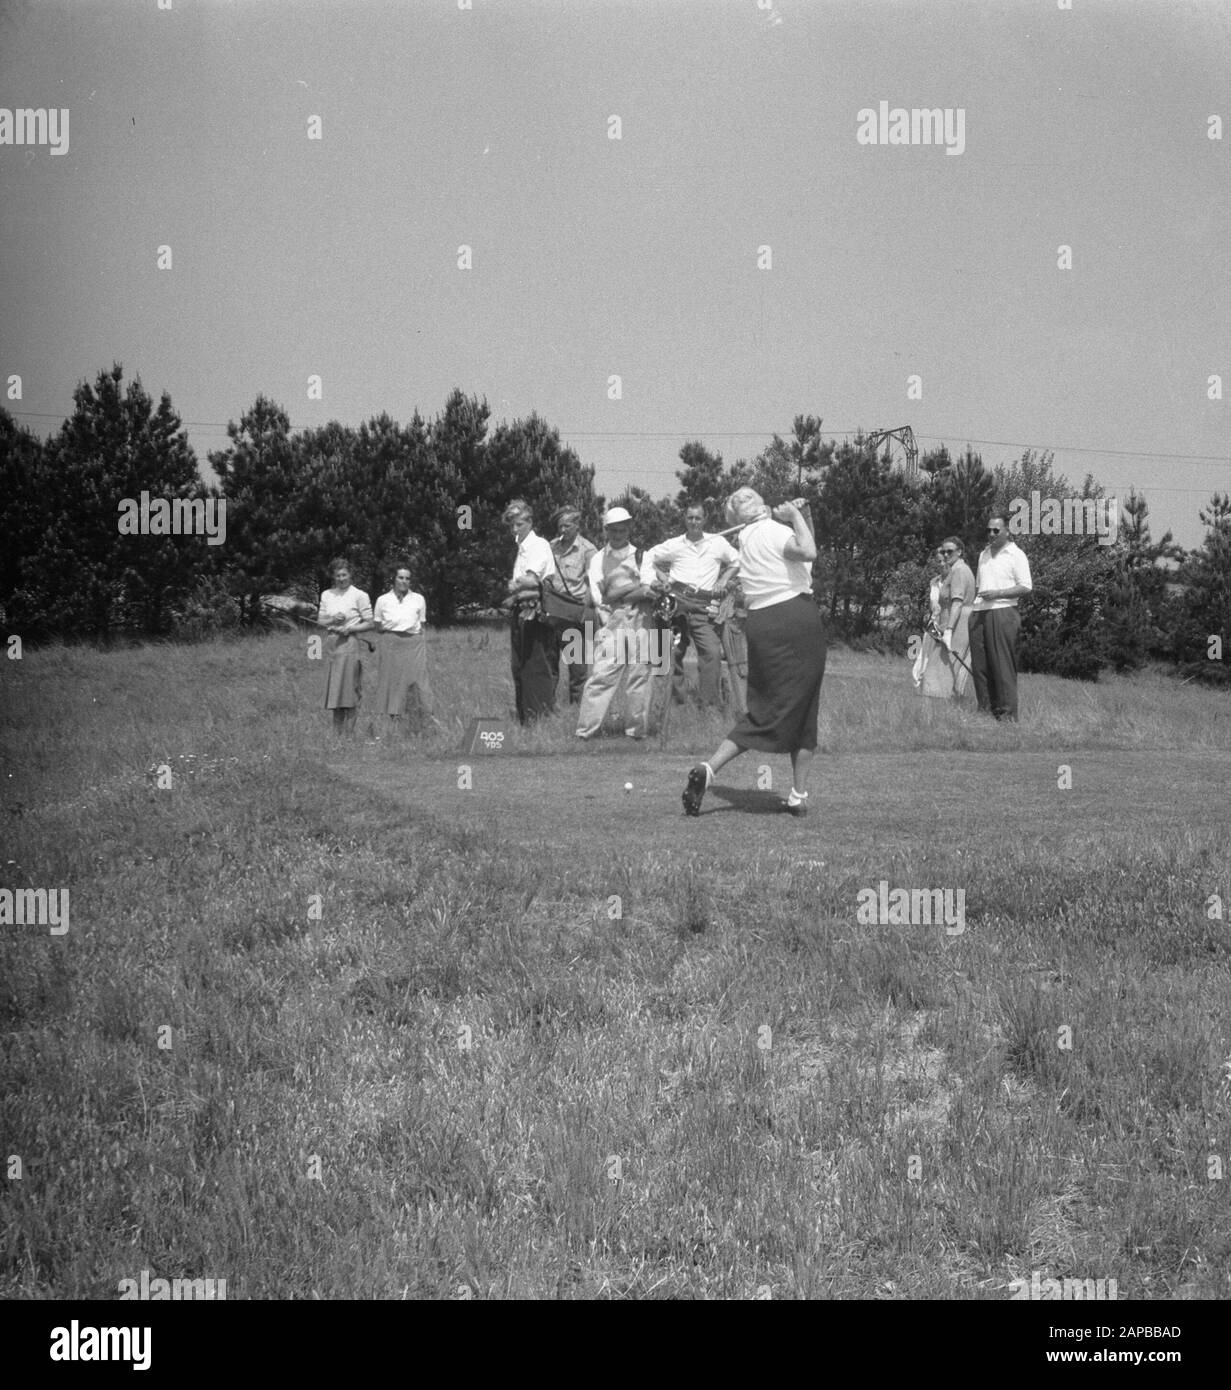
(628, 786)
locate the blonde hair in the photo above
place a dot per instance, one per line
(745, 505)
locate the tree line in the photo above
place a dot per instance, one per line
(433, 491)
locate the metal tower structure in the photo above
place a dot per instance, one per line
(904, 436)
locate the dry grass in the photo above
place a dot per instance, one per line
(509, 1087)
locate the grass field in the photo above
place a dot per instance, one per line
(328, 1024)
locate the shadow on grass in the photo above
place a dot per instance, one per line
(757, 803)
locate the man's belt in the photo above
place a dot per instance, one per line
(694, 591)
(689, 598)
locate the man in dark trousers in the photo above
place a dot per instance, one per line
(1003, 578)
(535, 648)
(707, 564)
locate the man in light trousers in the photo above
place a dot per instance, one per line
(624, 643)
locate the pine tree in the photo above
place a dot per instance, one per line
(262, 479)
(1064, 628)
(865, 520)
(653, 521)
(525, 458)
(24, 504)
(1205, 609)
(83, 577)
(404, 507)
(956, 501)
(1136, 595)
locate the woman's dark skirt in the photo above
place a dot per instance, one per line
(786, 664)
(403, 663)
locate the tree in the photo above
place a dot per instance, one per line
(866, 523)
(703, 479)
(462, 570)
(1064, 620)
(936, 460)
(1063, 631)
(781, 469)
(326, 514)
(1137, 594)
(957, 502)
(652, 521)
(262, 477)
(24, 504)
(83, 577)
(1204, 611)
(403, 506)
(523, 458)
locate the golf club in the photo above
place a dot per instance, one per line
(800, 502)
(305, 613)
(934, 632)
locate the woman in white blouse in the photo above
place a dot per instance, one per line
(400, 616)
(786, 646)
(346, 611)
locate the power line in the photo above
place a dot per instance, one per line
(220, 428)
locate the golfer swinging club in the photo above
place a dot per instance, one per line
(786, 647)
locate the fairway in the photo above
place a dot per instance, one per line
(892, 802)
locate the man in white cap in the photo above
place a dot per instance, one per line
(625, 636)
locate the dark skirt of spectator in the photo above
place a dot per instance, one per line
(403, 663)
(786, 664)
(343, 679)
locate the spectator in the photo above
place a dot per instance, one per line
(627, 632)
(534, 644)
(346, 611)
(1004, 577)
(400, 616)
(931, 627)
(571, 579)
(946, 674)
(703, 565)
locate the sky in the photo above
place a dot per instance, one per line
(638, 257)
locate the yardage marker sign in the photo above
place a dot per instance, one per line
(486, 736)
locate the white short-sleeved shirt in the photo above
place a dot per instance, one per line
(534, 557)
(401, 614)
(1002, 571)
(350, 603)
(765, 574)
(690, 562)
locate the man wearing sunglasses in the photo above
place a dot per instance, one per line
(1004, 576)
